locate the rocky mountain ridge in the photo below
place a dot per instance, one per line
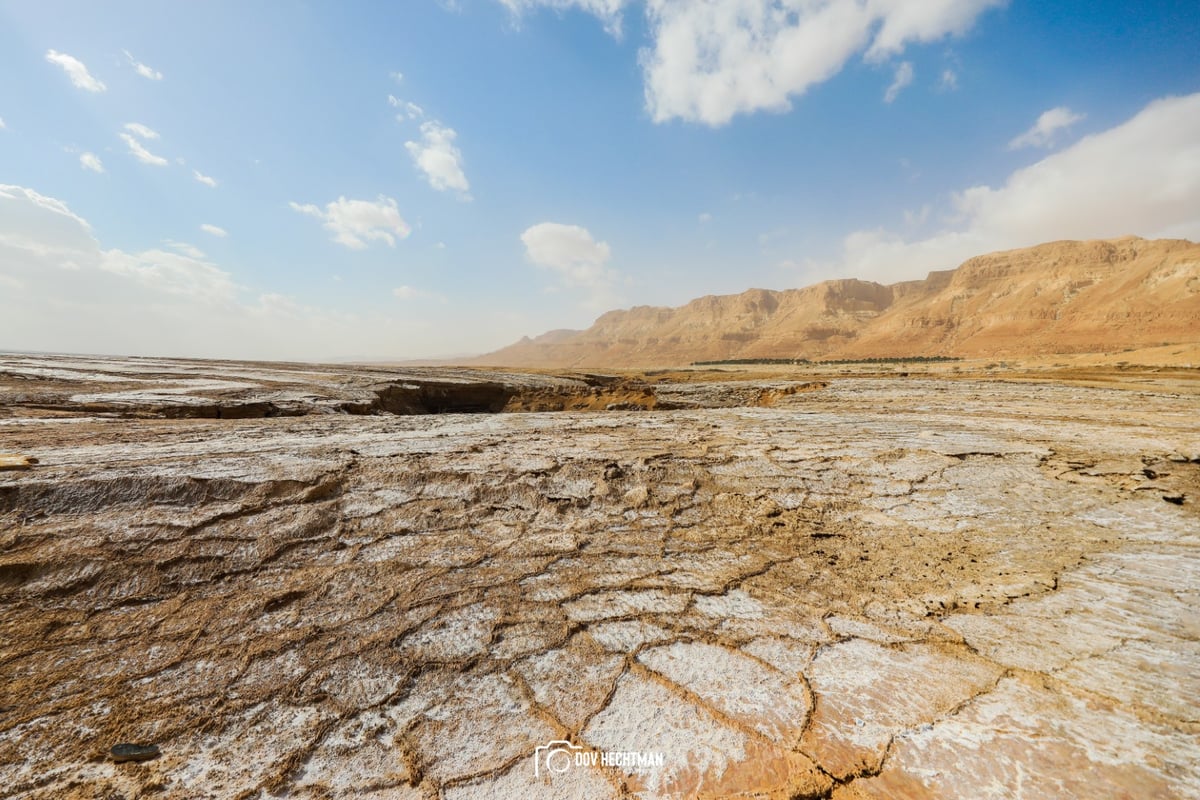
(1059, 297)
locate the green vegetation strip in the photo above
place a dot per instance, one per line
(896, 360)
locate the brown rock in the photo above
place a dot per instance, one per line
(1059, 297)
(13, 461)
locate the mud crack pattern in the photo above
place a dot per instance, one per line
(919, 589)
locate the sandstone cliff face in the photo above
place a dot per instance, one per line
(1057, 297)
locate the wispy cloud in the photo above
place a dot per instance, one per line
(76, 71)
(141, 130)
(141, 153)
(91, 161)
(407, 110)
(205, 179)
(136, 148)
(213, 230)
(142, 69)
(607, 11)
(904, 77)
(355, 223)
(1048, 125)
(189, 250)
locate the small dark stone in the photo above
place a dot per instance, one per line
(133, 752)
(1177, 499)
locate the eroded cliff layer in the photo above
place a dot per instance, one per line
(1062, 297)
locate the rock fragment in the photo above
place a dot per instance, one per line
(15, 461)
(127, 751)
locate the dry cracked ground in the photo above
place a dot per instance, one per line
(298, 584)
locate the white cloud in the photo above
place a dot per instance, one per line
(2, 125)
(40, 238)
(570, 251)
(141, 130)
(407, 110)
(91, 161)
(904, 77)
(76, 71)
(355, 223)
(608, 11)
(142, 69)
(141, 153)
(711, 60)
(213, 230)
(39, 223)
(437, 156)
(206, 180)
(949, 80)
(1047, 126)
(904, 21)
(396, 76)
(579, 261)
(1141, 177)
(189, 250)
(168, 274)
(111, 301)
(714, 59)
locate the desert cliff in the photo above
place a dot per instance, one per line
(1060, 297)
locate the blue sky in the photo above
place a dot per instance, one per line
(390, 180)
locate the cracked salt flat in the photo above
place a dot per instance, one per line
(285, 617)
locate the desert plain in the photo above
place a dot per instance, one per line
(974, 580)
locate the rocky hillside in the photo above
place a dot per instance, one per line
(1057, 297)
